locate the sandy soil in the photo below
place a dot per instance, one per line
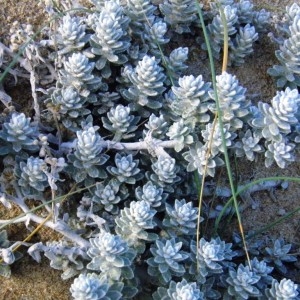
(32, 281)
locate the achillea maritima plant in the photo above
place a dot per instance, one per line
(124, 121)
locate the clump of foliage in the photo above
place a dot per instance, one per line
(123, 122)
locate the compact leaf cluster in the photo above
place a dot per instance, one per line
(118, 116)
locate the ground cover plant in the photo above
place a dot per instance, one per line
(123, 140)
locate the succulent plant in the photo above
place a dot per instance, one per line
(216, 29)
(155, 36)
(179, 291)
(87, 155)
(151, 193)
(281, 152)
(209, 258)
(291, 12)
(111, 256)
(181, 219)
(93, 287)
(263, 270)
(71, 35)
(113, 7)
(106, 194)
(148, 83)
(77, 73)
(215, 7)
(198, 159)
(110, 40)
(157, 126)
(133, 221)
(279, 117)
(126, 169)
(190, 99)
(283, 290)
(140, 8)
(212, 136)
(167, 260)
(69, 102)
(239, 16)
(241, 283)
(180, 133)
(140, 12)
(179, 14)
(244, 11)
(261, 19)
(120, 122)
(7, 256)
(70, 105)
(175, 63)
(165, 171)
(19, 133)
(32, 176)
(241, 45)
(85, 209)
(288, 74)
(232, 101)
(279, 254)
(248, 145)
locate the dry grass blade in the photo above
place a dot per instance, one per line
(219, 119)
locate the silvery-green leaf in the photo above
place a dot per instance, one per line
(93, 172)
(163, 267)
(79, 176)
(127, 273)
(166, 276)
(129, 292)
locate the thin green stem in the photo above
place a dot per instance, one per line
(221, 125)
